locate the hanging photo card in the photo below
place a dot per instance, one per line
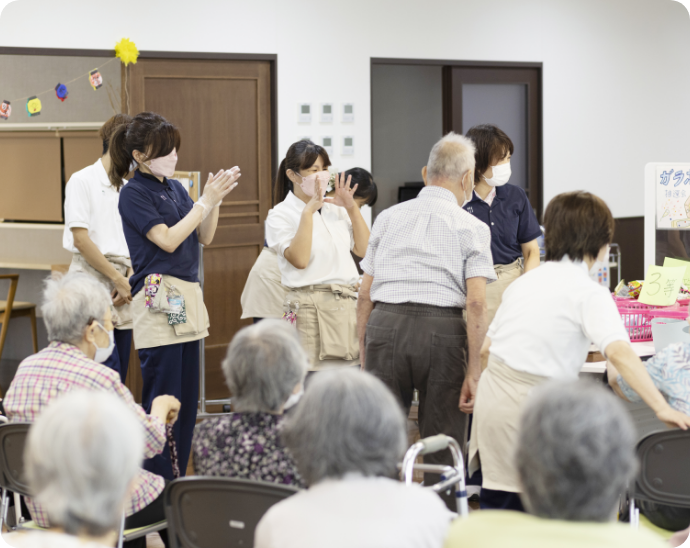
(5, 110)
(33, 106)
(95, 79)
(61, 92)
(661, 285)
(668, 261)
(672, 187)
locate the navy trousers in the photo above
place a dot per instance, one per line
(172, 370)
(119, 359)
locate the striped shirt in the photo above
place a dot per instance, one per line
(62, 367)
(423, 251)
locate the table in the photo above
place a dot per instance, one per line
(642, 349)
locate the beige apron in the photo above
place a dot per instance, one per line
(152, 329)
(263, 295)
(495, 422)
(506, 274)
(327, 324)
(121, 264)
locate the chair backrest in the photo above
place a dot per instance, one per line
(12, 442)
(664, 475)
(205, 512)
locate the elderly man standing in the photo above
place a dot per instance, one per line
(427, 260)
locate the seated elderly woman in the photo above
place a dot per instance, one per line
(264, 369)
(347, 436)
(670, 372)
(77, 313)
(82, 456)
(575, 456)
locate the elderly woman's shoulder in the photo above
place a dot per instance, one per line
(238, 422)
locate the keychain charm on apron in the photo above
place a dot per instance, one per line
(290, 316)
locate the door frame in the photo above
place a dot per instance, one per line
(536, 201)
(271, 58)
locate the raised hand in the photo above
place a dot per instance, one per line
(344, 195)
(218, 186)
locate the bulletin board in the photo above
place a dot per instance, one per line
(667, 212)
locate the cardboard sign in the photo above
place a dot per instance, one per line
(668, 261)
(661, 285)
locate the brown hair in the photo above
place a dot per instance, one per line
(107, 129)
(577, 224)
(492, 145)
(149, 133)
(301, 155)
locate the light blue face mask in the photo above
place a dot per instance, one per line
(102, 354)
(293, 399)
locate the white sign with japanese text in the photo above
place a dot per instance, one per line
(672, 187)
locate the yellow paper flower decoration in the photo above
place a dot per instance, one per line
(126, 51)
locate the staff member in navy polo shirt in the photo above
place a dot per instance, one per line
(163, 228)
(505, 209)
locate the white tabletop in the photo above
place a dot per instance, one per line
(642, 349)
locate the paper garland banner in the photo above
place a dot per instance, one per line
(5, 110)
(33, 106)
(95, 79)
(61, 92)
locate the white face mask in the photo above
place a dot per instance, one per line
(293, 399)
(102, 354)
(501, 175)
(599, 264)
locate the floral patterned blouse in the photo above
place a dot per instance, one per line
(245, 446)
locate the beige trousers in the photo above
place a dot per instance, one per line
(506, 274)
(327, 324)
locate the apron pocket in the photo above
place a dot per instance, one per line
(338, 330)
(197, 316)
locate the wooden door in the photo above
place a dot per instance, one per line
(223, 110)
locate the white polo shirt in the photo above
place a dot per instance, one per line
(549, 316)
(91, 203)
(332, 241)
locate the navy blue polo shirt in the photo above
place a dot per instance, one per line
(144, 203)
(511, 220)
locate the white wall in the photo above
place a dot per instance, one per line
(616, 72)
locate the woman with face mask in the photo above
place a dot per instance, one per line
(313, 237)
(263, 295)
(505, 209)
(163, 228)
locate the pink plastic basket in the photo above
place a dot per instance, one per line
(637, 317)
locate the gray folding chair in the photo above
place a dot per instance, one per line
(211, 512)
(664, 476)
(12, 441)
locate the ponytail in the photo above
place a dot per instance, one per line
(120, 159)
(149, 133)
(301, 155)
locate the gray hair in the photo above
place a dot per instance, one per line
(451, 158)
(82, 455)
(264, 363)
(347, 421)
(576, 451)
(69, 302)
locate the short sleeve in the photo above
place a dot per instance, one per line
(77, 203)
(280, 230)
(138, 210)
(367, 263)
(601, 321)
(477, 246)
(528, 227)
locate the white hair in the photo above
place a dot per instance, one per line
(347, 421)
(72, 302)
(82, 455)
(576, 451)
(451, 158)
(264, 363)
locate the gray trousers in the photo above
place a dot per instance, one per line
(413, 346)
